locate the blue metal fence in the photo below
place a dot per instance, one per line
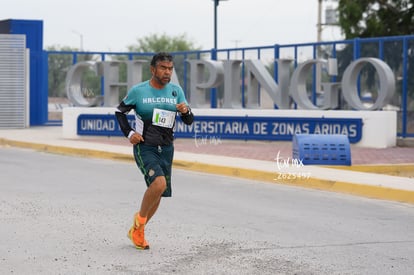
(396, 50)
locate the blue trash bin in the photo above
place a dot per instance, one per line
(321, 149)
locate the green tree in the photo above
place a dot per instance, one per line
(158, 43)
(378, 18)
(58, 66)
(373, 18)
(176, 45)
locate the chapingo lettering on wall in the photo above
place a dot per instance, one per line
(228, 72)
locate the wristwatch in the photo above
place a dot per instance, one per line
(188, 111)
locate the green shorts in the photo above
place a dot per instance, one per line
(154, 161)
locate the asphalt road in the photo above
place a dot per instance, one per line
(70, 215)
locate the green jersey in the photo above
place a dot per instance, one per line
(155, 110)
(145, 98)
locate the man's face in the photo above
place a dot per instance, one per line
(162, 72)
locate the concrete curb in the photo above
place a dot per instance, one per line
(66, 150)
(399, 170)
(376, 192)
(369, 191)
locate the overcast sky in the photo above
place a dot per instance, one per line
(109, 25)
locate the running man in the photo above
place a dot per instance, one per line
(156, 103)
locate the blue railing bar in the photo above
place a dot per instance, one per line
(349, 41)
(258, 86)
(184, 75)
(243, 79)
(102, 78)
(276, 55)
(356, 55)
(74, 58)
(295, 64)
(381, 49)
(333, 78)
(295, 54)
(314, 76)
(404, 96)
(245, 48)
(213, 91)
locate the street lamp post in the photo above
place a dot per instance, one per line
(330, 18)
(214, 52)
(319, 24)
(216, 3)
(318, 49)
(319, 29)
(81, 39)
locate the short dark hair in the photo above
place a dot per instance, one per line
(161, 56)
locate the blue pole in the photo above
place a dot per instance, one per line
(74, 58)
(356, 55)
(102, 78)
(314, 77)
(213, 91)
(185, 74)
(333, 78)
(275, 66)
(243, 82)
(404, 95)
(381, 49)
(276, 53)
(216, 3)
(357, 48)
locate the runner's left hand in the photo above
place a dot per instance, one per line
(182, 107)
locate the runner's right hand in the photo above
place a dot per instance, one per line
(136, 138)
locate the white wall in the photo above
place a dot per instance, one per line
(379, 128)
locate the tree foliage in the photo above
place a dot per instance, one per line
(58, 66)
(374, 18)
(378, 18)
(59, 63)
(163, 42)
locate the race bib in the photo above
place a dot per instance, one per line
(163, 118)
(139, 125)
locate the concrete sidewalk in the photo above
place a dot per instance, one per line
(253, 160)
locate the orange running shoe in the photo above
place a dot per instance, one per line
(137, 235)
